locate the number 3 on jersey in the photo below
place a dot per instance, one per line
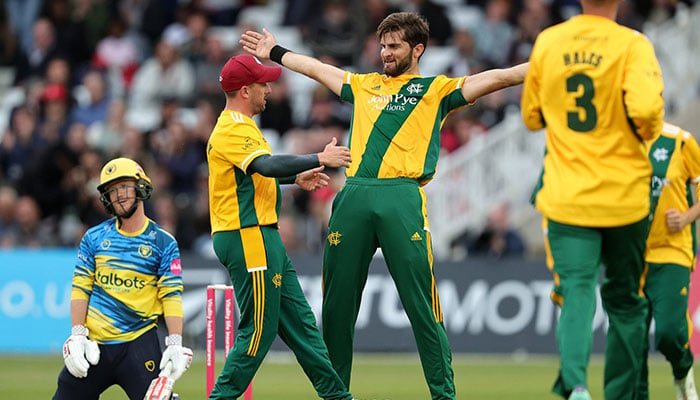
(584, 101)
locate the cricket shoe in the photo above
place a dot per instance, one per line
(685, 388)
(580, 393)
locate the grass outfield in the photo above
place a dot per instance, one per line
(375, 377)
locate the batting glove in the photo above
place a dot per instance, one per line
(78, 350)
(180, 357)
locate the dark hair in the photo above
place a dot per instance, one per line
(414, 27)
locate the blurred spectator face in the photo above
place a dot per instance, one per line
(77, 138)
(28, 214)
(8, 204)
(464, 41)
(55, 98)
(498, 218)
(58, 72)
(117, 111)
(23, 124)
(215, 49)
(288, 233)
(166, 54)
(197, 24)
(43, 34)
(497, 10)
(95, 85)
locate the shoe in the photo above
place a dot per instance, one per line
(685, 388)
(580, 393)
(175, 396)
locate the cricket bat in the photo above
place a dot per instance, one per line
(161, 388)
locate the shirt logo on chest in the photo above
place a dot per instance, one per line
(145, 250)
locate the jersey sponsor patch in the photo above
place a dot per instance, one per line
(176, 267)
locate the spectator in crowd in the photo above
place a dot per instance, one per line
(93, 104)
(21, 15)
(165, 75)
(32, 62)
(278, 111)
(335, 33)
(20, 144)
(440, 25)
(466, 62)
(8, 209)
(54, 118)
(208, 65)
(58, 72)
(107, 135)
(461, 127)
(175, 149)
(68, 20)
(495, 33)
(29, 229)
(498, 239)
(119, 54)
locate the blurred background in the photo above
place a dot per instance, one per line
(84, 81)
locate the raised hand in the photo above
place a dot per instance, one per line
(258, 44)
(335, 156)
(312, 179)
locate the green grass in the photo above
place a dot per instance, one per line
(375, 377)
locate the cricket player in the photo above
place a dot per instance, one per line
(670, 256)
(244, 199)
(394, 143)
(127, 275)
(596, 88)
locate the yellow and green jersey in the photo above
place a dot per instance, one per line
(396, 121)
(675, 158)
(238, 199)
(129, 280)
(596, 86)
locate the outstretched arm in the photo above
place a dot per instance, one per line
(260, 45)
(492, 80)
(287, 166)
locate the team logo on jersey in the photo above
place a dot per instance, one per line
(684, 291)
(376, 87)
(660, 154)
(250, 143)
(416, 237)
(334, 238)
(145, 250)
(414, 88)
(150, 365)
(105, 244)
(277, 280)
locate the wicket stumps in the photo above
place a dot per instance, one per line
(228, 333)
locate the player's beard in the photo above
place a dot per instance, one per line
(401, 65)
(126, 209)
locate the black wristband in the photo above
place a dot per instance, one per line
(276, 54)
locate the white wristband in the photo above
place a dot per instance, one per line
(173, 340)
(79, 330)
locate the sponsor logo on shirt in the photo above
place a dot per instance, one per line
(176, 267)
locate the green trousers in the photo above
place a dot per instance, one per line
(667, 287)
(576, 253)
(391, 214)
(272, 303)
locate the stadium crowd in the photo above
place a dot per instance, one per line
(90, 80)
